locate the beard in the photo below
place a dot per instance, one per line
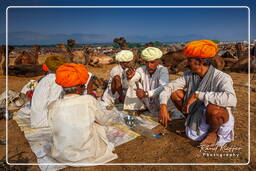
(150, 70)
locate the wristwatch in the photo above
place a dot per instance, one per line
(197, 94)
(146, 93)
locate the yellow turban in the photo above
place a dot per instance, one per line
(124, 56)
(71, 74)
(53, 62)
(201, 49)
(151, 53)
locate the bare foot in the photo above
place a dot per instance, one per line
(210, 140)
(180, 131)
(138, 113)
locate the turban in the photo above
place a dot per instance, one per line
(151, 53)
(124, 56)
(201, 49)
(71, 74)
(53, 62)
(45, 68)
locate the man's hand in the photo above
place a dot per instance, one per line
(164, 116)
(141, 94)
(130, 73)
(191, 100)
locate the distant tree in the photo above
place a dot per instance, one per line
(216, 41)
(158, 44)
(115, 45)
(134, 45)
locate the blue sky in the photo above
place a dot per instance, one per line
(50, 26)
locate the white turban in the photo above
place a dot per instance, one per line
(151, 53)
(124, 56)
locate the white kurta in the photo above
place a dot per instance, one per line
(78, 135)
(223, 95)
(154, 85)
(108, 97)
(45, 92)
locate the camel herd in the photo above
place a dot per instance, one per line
(231, 57)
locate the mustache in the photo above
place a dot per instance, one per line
(150, 69)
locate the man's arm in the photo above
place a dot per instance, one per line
(177, 84)
(136, 77)
(164, 115)
(226, 96)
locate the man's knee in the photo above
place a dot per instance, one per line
(217, 111)
(178, 95)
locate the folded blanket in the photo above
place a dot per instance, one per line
(40, 139)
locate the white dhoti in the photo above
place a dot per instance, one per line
(225, 132)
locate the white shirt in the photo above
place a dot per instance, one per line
(223, 94)
(45, 92)
(78, 135)
(154, 85)
(108, 97)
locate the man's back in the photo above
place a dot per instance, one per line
(45, 92)
(77, 138)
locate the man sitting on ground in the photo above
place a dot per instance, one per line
(117, 85)
(208, 98)
(76, 121)
(45, 92)
(149, 79)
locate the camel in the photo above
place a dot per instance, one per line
(100, 60)
(65, 52)
(176, 61)
(121, 42)
(28, 57)
(229, 62)
(3, 57)
(25, 70)
(241, 65)
(86, 55)
(28, 70)
(253, 66)
(26, 64)
(172, 59)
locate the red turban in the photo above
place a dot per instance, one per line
(201, 49)
(71, 74)
(45, 68)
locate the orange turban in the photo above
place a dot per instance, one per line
(71, 74)
(45, 68)
(201, 49)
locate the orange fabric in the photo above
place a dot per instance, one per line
(200, 49)
(71, 74)
(45, 68)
